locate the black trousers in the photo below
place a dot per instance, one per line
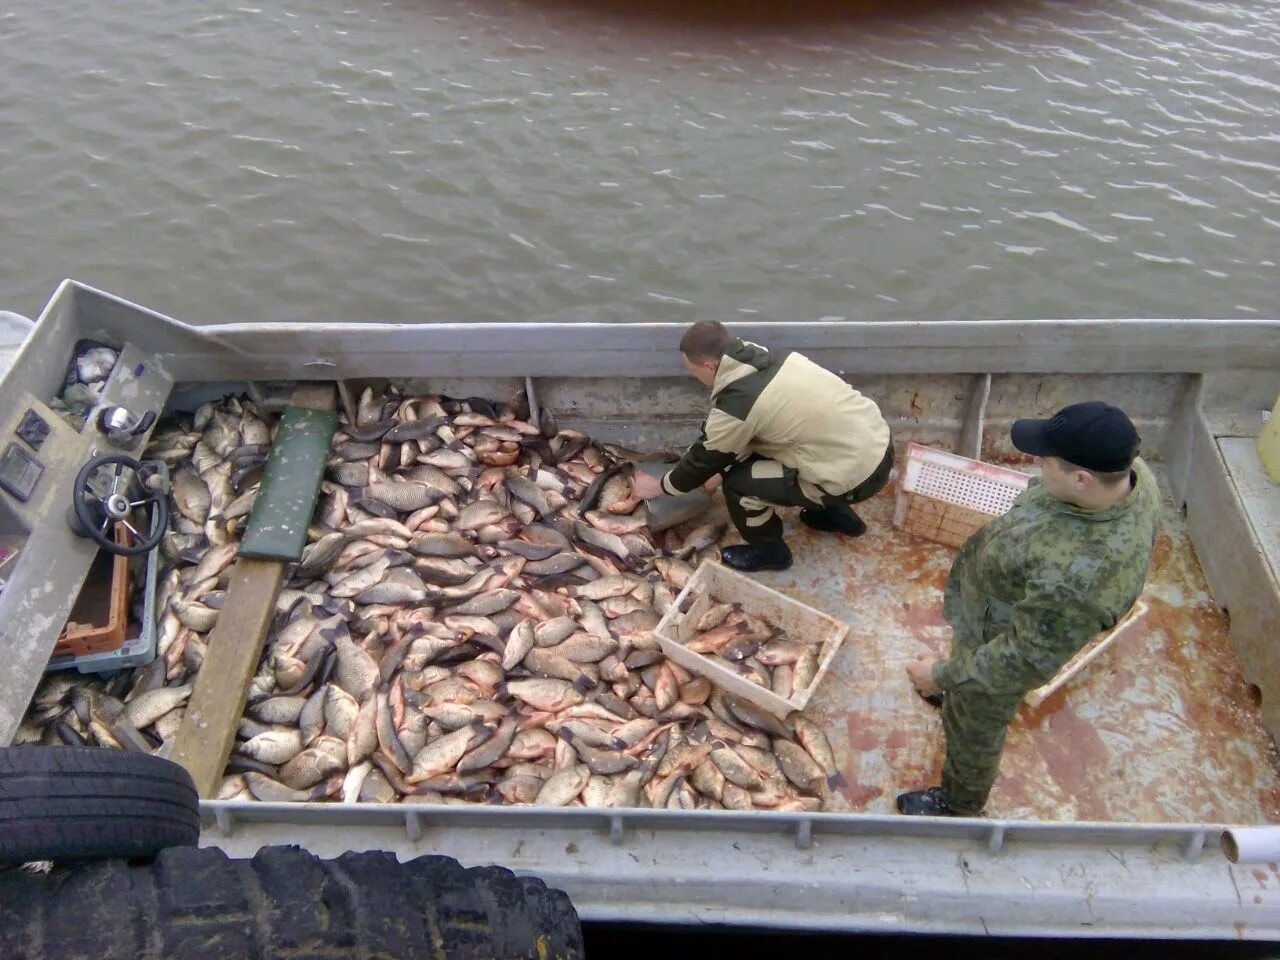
(755, 486)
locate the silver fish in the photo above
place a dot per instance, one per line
(274, 746)
(442, 755)
(191, 495)
(272, 791)
(149, 707)
(404, 496)
(563, 787)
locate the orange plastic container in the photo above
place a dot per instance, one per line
(100, 618)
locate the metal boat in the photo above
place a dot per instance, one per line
(1107, 818)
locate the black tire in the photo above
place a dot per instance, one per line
(82, 803)
(195, 904)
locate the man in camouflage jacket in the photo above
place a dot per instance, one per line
(1031, 588)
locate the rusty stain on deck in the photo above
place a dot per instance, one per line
(1162, 727)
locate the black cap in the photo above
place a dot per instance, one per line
(1094, 435)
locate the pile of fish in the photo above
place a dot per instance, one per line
(87, 376)
(756, 649)
(471, 621)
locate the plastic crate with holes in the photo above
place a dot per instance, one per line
(947, 498)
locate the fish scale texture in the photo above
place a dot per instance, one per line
(285, 902)
(81, 802)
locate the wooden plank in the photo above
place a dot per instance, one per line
(1087, 654)
(277, 528)
(208, 729)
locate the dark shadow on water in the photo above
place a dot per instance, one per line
(757, 16)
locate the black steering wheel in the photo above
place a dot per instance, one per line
(112, 488)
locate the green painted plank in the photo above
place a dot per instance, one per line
(278, 525)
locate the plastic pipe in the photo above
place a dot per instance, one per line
(1252, 844)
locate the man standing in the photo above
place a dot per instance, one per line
(783, 432)
(1032, 587)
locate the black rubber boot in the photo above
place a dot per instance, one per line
(749, 559)
(837, 519)
(927, 803)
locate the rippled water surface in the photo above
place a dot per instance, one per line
(524, 160)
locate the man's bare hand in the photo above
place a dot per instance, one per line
(712, 485)
(646, 487)
(921, 674)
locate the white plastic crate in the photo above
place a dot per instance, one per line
(946, 497)
(802, 622)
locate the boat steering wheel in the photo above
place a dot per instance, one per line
(112, 488)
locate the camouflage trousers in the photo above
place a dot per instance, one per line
(975, 725)
(755, 486)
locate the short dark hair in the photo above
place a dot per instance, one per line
(705, 340)
(1108, 478)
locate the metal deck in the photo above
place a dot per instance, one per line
(1163, 728)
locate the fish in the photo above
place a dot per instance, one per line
(754, 716)
(798, 767)
(404, 496)
(355, 474)
(519, 642)
(443, 754)
(191, 495)
(274, 746)
(815, 743)
(805, 670)
(550, 632)
(478, 514)
(544, 693)
(278, 709)
(385, 736)
(606, 587)
(449, 545)
(487, 603)
(147, 708)
(401, 585)
(491, 750)
(354, 781)
(608, 542)
(357, 672)
(529, 493)
(701, 538)
(356, 450)
(735, 769)
(597, 760)
(215, 560)
(272, 791)
(309, 767)
(377, 788)
(563, 787)
(340, 711)
(194, 615)
(584, 648)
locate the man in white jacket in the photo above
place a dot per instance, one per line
(782, 432)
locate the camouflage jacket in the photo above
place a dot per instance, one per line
(1031, 588)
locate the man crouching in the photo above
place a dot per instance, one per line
(783, 432)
